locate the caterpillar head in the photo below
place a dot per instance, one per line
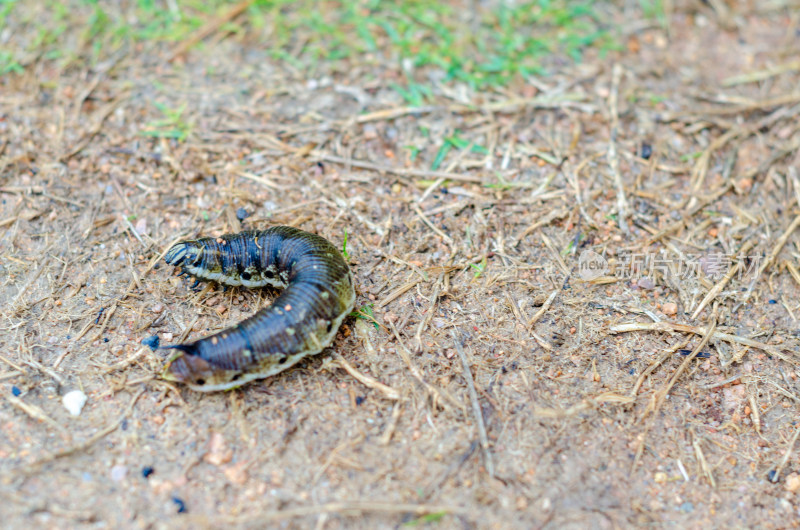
(184, 253)
(197, 373)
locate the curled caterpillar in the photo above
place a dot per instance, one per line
(318, 294)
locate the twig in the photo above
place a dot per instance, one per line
(789, 448)
(476, 406)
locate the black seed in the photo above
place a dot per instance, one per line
(147, 471)
(200, 381)
(269, 274)
(180, 504)
(282, 360)
(246, 276)
(360, 400)
(646, 151)
(236, 377)
(330, 326)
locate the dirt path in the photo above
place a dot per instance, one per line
(657, 389)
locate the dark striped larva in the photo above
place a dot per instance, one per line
(318, 294)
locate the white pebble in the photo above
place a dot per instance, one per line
(74, 401)
(118, 473)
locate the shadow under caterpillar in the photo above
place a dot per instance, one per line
(303, 320)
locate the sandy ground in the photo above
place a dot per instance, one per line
(596, 414)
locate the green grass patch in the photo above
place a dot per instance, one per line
(429, 518)
(171, 125)
(344, 248)
(482, 45)
(365, 313)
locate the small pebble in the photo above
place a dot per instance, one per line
(360, 400)
(151, 342)
(241, 214)
(16, 391)
(687, 507)
(646, 283)
(158, 308)
(118, 473)
(147, 471)
(74, 401)
(793, 482)
(670, 308)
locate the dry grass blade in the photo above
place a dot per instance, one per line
(89, 441)
(661, 395)
(714, 292)
(583, 406)
(761, 75)
(208, 29)
(440, 395)
(701, 459)
(343, 507)
(613, 159)
(35, 412)
(540, 313)
(789, 448)
(700, 330)
(476, 406)
(770, 258)
(367, 381)
(401, 171)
